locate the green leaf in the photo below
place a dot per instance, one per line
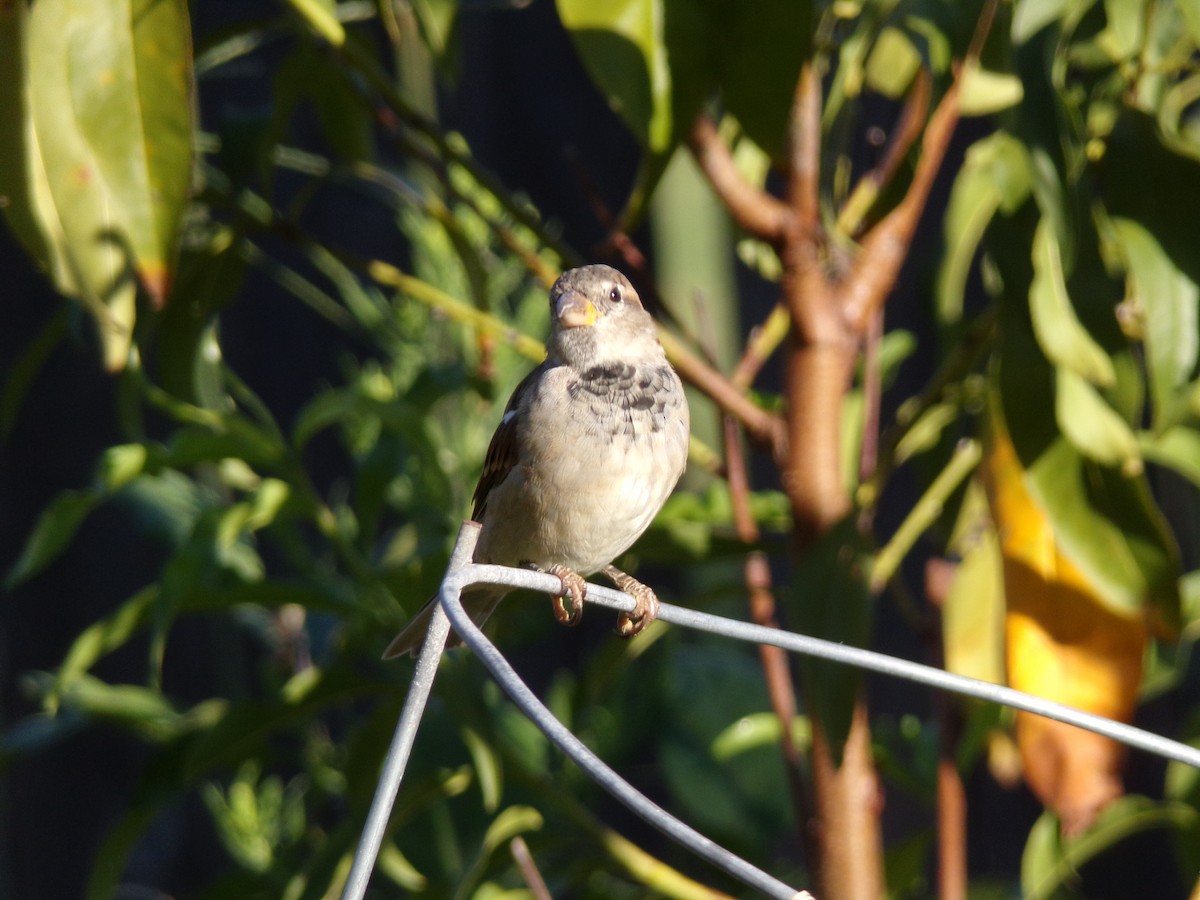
(995, 176)
(985, 93)
(757, 730)
(487, 768)
(22, 182)
(1059, 332)
(1094, 427)
(1109, 526)
(656, 61)
(102, 146)
(623, 45)
(1177, 448)
(973, 610)
(1031, 16)
(52, 534)
(1105, 522)
(759, 48)
(893, 63)
(101, 638)
(1167, 302)
(129, 77)
(1049, 861)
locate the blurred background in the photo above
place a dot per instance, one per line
(232, 464)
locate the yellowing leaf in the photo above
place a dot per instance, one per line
(97, 148)
(1062, 642)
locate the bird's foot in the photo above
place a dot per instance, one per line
(574, 587)
(646, 610)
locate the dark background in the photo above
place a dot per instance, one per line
(56, 806)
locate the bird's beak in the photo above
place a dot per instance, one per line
(573, 310)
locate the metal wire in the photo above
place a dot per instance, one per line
(400, 749)
(575, 749)
(463, 574)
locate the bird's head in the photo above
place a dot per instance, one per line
(597, 318)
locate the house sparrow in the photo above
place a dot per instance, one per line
(590, 445)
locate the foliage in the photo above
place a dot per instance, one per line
(1058, 340)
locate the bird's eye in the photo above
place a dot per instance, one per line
(615, 295)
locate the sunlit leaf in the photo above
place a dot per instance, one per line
(893, 63)
(1059, 332)
(1167, 304)
(623, 44)
(757, 730)
(985, 93)
(973, 610)
(1178, 448)
(995, 176)
(107, 150)
(1092, 425)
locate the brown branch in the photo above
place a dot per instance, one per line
(908, 130)
(529, 870)
(777, 673)
(760, 345)
(761, 425)
(755, 210)
(804, 150)
(951, 795)
(886, 245)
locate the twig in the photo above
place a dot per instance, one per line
(951, 795)
(776, 671)
(923, 514)
(455, 309)
(763, 426)
(866, 192)
(762, 343)
(962, 359)
(886, 245)
(758, 212)
(529, 870)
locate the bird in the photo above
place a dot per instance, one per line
(589, 447)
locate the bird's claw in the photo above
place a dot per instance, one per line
(574, 587)
(645, 610)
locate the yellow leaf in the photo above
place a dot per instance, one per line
(1064, 644)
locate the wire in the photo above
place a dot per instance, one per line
(574, 748)
(463, 574)
(400, 749)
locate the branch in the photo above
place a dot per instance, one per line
(804, 150)
(761, 425)
(886, 245)
(754, 210)
(455, 309)
(866, 192)
(777, 672)
(763, 342)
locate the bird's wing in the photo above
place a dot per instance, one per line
(502, 451)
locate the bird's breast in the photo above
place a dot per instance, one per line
(603, 462)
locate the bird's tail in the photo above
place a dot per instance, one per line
(479, 604)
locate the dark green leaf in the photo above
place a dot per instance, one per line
(831, 600)
(55, 528)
